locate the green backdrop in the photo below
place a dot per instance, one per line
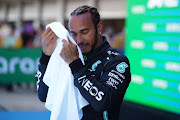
(153, 48)
(19, 65)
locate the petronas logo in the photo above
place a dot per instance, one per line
(95, 65)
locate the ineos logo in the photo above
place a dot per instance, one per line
(93, 90)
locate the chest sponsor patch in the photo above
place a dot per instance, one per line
(115, 76)
(112, 82)
(118, 73)
(121, 67)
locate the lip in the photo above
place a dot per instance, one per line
(82, 47)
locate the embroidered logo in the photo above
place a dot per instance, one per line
(84, 57)
(95, 65)
(88, 86)
(121, 67)
(112, 82)
(38, 75)
(112, 53)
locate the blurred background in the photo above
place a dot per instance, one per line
(146, 31)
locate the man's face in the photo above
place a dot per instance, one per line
(83, 32)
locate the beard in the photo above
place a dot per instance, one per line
(93, 45)
(95, 41)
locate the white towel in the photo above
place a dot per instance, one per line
(63, 99)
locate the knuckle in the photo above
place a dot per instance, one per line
(45, 36)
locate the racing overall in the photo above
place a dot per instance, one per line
(102, 81)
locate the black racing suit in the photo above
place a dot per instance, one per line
(102, 81)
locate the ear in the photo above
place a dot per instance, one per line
(99, 27)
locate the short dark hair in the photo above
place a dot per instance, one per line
(88, 9)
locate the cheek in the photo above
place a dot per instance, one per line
(89, 38)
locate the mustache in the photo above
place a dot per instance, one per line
(79, 44)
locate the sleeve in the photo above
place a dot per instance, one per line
(42, 88)
(108, 89)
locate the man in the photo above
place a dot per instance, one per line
(103, 79)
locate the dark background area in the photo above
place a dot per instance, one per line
(133, 111)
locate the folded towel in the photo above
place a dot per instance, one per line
(63, 99)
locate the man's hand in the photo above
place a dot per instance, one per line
(49, 39)
(69, 51)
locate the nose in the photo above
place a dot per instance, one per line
(79, 39)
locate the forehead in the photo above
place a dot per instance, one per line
(78, 22)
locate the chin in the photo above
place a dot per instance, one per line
(85, 52)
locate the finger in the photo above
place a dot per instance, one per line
(64, 41)
(52, 35)
(55, 38)
(61, 53)
(46, 31)
(69, 40)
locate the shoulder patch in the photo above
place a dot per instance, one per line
(121, 67)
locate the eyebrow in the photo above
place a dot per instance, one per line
(84, 29)
(80, 30)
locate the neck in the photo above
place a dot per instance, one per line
(100, 40)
